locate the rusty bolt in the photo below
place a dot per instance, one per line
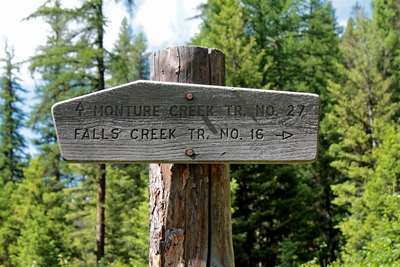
(189, 96)
(190, 152)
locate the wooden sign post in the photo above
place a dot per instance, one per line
(185, 115)
(190, 206)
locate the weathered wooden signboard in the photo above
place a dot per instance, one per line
(148, 121)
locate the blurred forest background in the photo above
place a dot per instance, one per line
(343, 210)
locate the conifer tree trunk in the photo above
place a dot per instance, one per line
(101, 196)
(190, 210)
(101, 176)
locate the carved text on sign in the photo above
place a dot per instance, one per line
(169, 134)
(159, 122)
(183, 111)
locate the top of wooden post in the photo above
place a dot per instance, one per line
(188, 64)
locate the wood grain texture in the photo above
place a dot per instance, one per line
(156, 122)
(190, 210)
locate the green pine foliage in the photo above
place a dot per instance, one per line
(366, 153)
(283, 45)
(342, 210)
(40, 210)
(61, 78)
(89, 37)
(273, 221)
(12, 156)
(363, 103)
(224, 28)
(129, 59)
(127, 227)
(386, 18)
(9, 226)
(82, 211)
(317, 58)
(127, 223)
(372, 229)
(275, 25)
(71, 63)
(126, 220)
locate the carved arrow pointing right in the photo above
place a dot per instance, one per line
(285, 135)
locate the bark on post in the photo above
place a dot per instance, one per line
(190, 207)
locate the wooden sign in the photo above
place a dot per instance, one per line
(148, 121)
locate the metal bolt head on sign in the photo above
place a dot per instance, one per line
(160, 122)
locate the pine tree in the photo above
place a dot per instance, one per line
(129, 59)
(317, 60)
(275, 24)
(41, 213)
(363, 102)
(127, 238)
(386, 18)
(381, 203)
(292, 45)
(224, 28)
(74, 62)
(90, 16)
(362, 112)
(61, 78)
(57, 63)
(140, 255)
(82, 211)
(371, 229)
(272, 218)
(12, 155)
(9, 227)
(127, 227)
(77, 65)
